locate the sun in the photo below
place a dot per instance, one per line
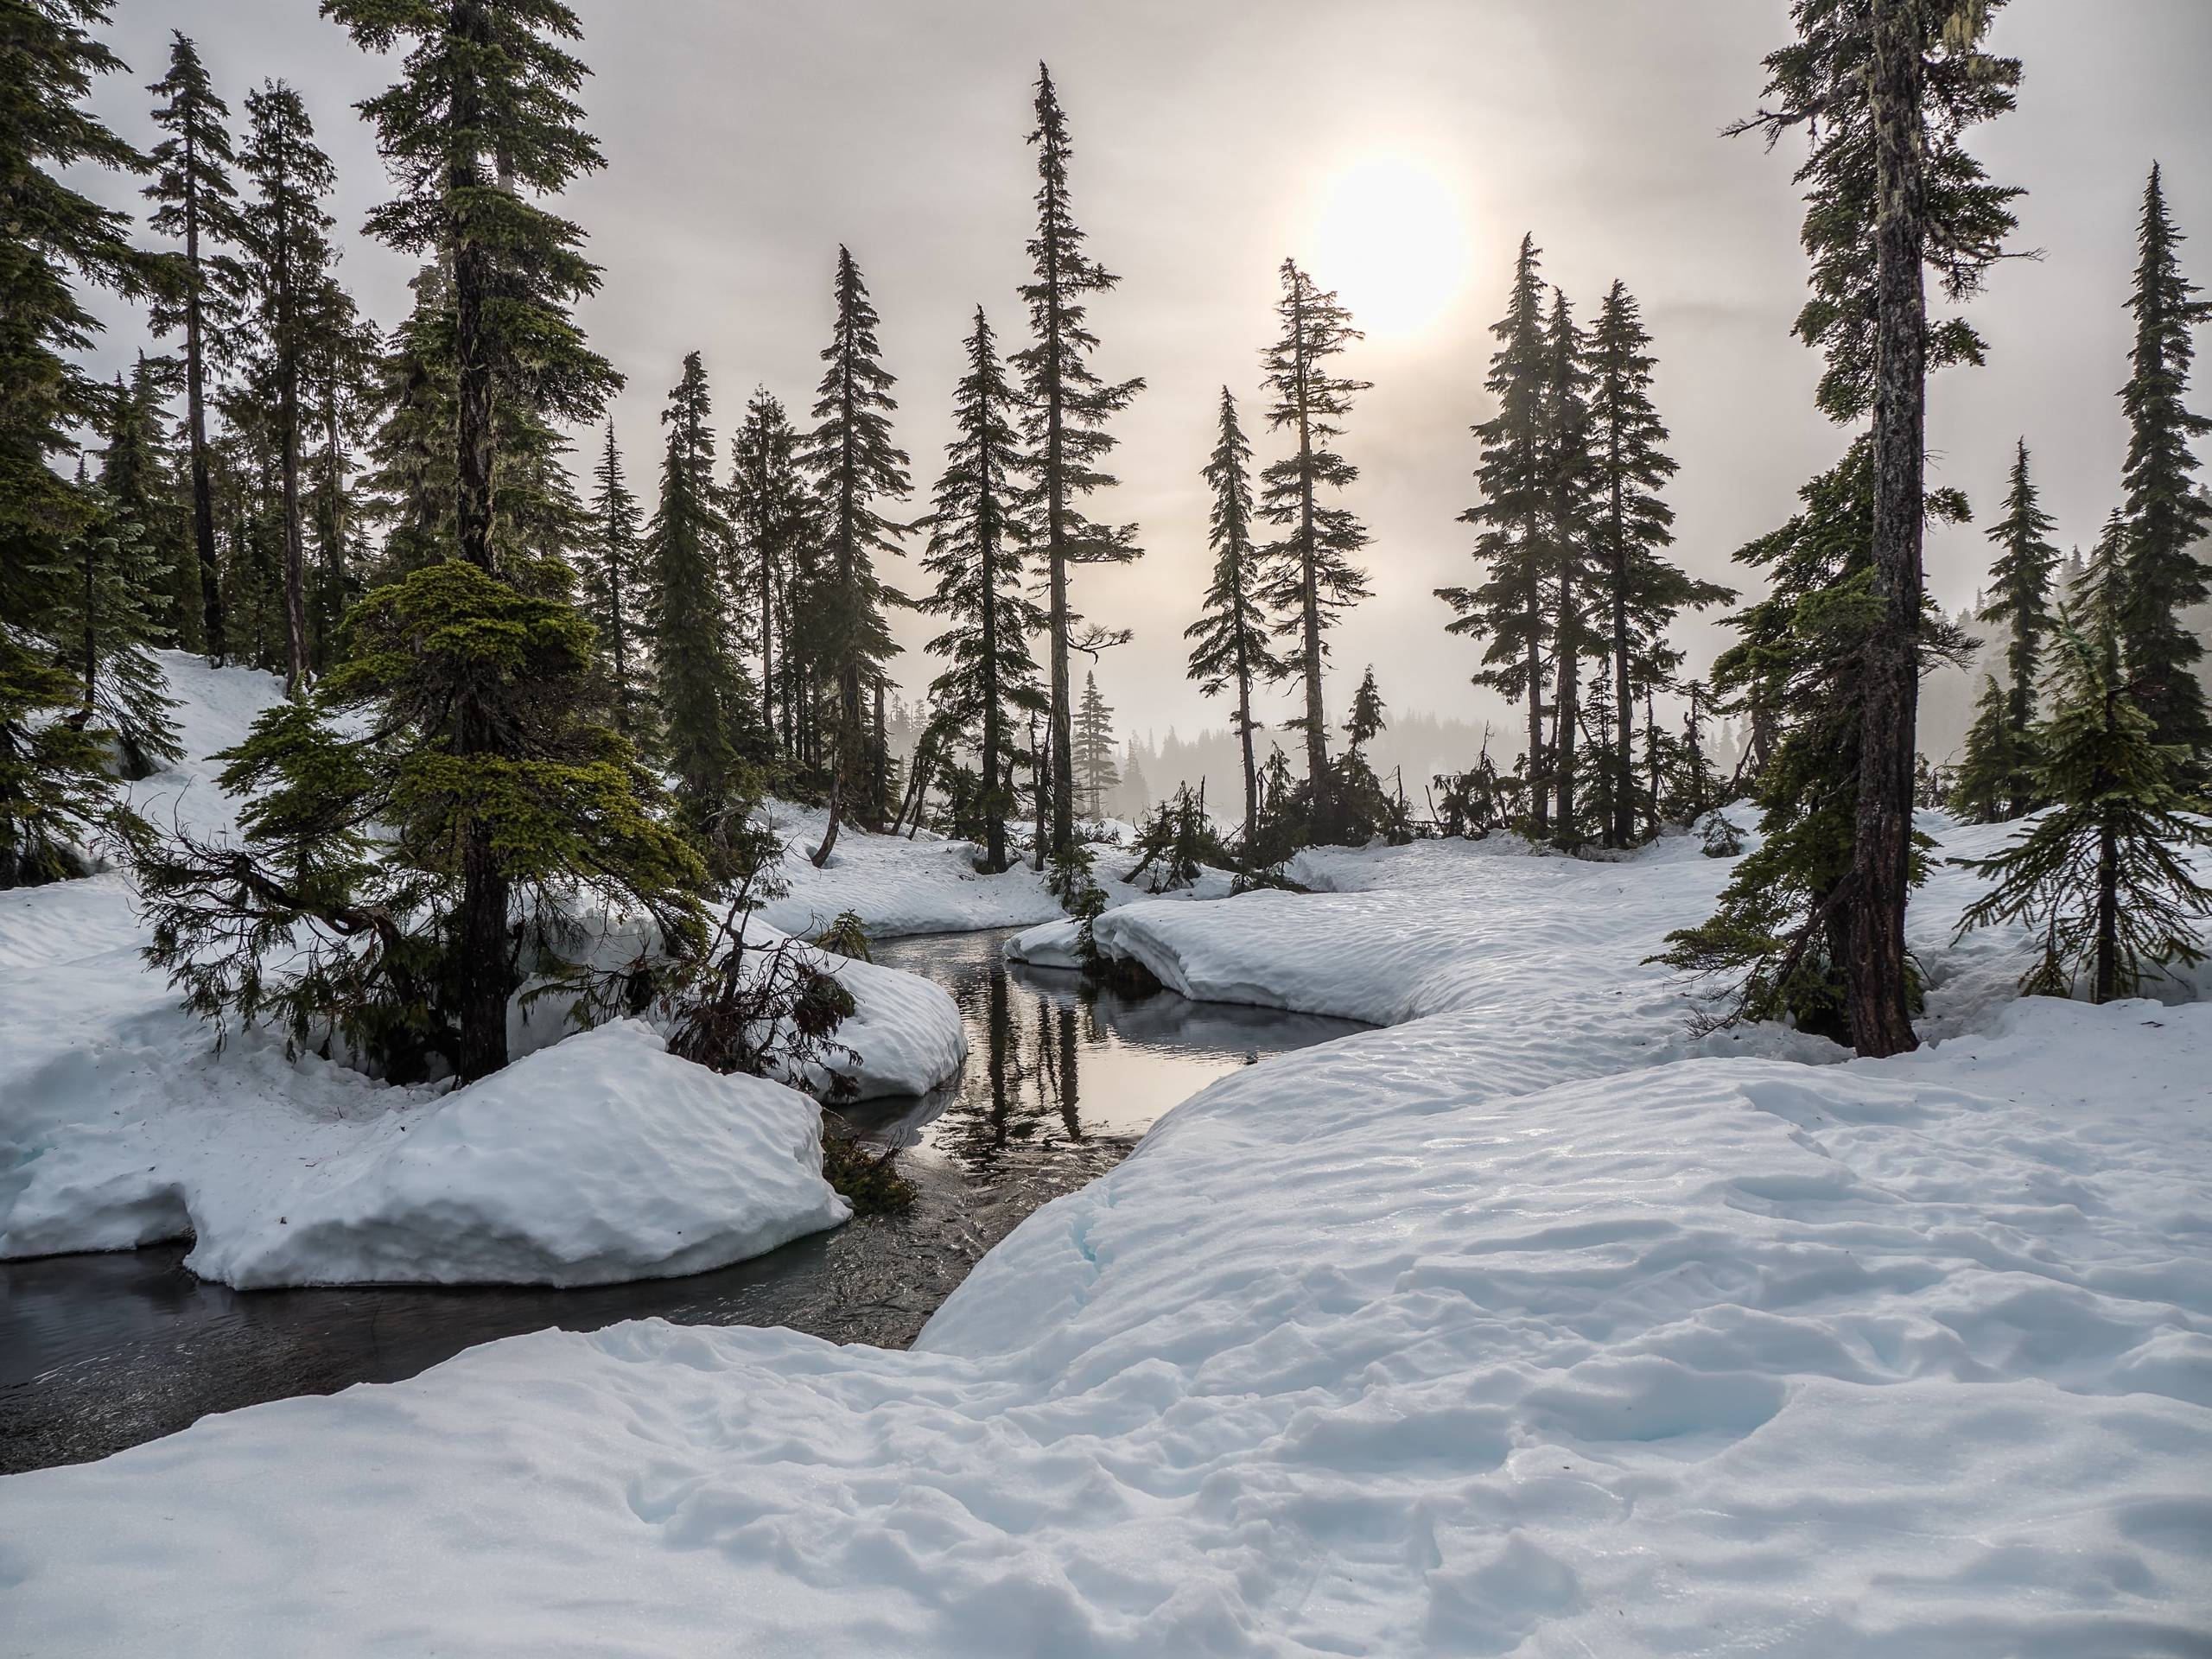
(1392, 240)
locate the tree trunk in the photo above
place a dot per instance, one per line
(1568, 710)
(1623, 825)
(296, 569)
(820, 856)
(879, 763)
(195, 404)
(2108, 965)
(1317, 731)
(1879, 985)
(994, 737)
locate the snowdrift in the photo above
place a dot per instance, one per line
(1527, 1326)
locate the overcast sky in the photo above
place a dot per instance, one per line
(1398, 148)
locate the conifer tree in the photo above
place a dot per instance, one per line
(1887, 90)
(285, 235)
(854, 465)
(976, 551)
(1570, 534)
(195, 204)
(139, 474)
(2019, 597)
(703, 703)
(1507, 612)
(1232, 645)
(1069, 407)
(1095, 772)
(2168, 513)
(614, 586)
(774, 514)
(1995, 763)
(1311, 579)
(2104, 876)
(1643, 590)
(110, 579)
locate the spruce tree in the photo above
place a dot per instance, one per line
(1094, 771)
(854, 465)
(2103, 877)
(704, 706)
(1887, 89)
(2167, 511)
(1310, 577)
(976, 551)
(1065, 428)
(285, 235)
(774, 513)
(2019, 598)
(1507, 611)
(195, 205)
(614, 586)
(1643, 590)
(1232, 645)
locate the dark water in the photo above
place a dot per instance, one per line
(98, 1352)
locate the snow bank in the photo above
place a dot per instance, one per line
(1524, 1327)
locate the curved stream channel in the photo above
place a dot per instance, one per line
(99, 1352)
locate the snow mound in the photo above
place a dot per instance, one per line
(1048, 945)
(602, 1158)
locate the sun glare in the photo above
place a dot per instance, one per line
(1391, 241)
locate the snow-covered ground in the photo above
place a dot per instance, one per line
(1526, 1326)
(120, 1124)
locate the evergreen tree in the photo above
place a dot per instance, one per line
(1310, 577)
(408, 488)
(2167, 512)
(774, 515)
(1570, 533)
(976, 551)
(1095, 772)
(478, 130)
(1643, 590)
(704, 705)
(338, 395)
(614, 586)
(1507, 611)
(110, 578)
(285, 236)
(195, 204)
(142, 481)
(2104, 876)
(2019, 597)
(1069, 407)
(1231, 634)
(1887, 90)
(1995, 770)
(854, 464)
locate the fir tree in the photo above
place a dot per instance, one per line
(103, 622)
(1887, 90)
(1507, 612)
(1232, 646)
(774, 514)
(1570, 532)
(614, 586)
(195, 205)
(1069, 407)
(141, 478)
(1643, 590)
(1310, 576)
(2167, 513)
(2019, 597)
(976, 551)
(1095, 772)
(285, 236)
(2104, 876)
(1994, 772)
(854, 465)
(703, 703)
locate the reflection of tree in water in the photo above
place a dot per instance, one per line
(1024, 1092)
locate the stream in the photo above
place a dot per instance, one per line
(98, 1352)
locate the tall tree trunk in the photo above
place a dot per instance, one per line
(1568, 710)
(1623, 825)
(993, 738)
(1878, 986)
(1244, 737)
(1040, 789)
(195, 406)
(2107, 963)
(821, 854)
(295, 566)
(768, 687)
(1317, 731)
(1539, 791)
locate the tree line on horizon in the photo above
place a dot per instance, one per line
(577, 696)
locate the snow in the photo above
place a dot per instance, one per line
(1528, 1326)
(121, 1123)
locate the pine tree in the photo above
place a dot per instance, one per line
(1570, 534)
(976, 535)
(195, 204)
(1232, 646)
(1887, 90)
(2167, 513)
(1508, 611)
(2019, 596)
(2103, 876)
(614, 586)
(704, 705)
(854, 464)
(285, 237)
(479, 129)
(1643, 590)
(774, 514)
(1095, 772)
(1069, 407)
(1997, 764)
(1310, 578)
